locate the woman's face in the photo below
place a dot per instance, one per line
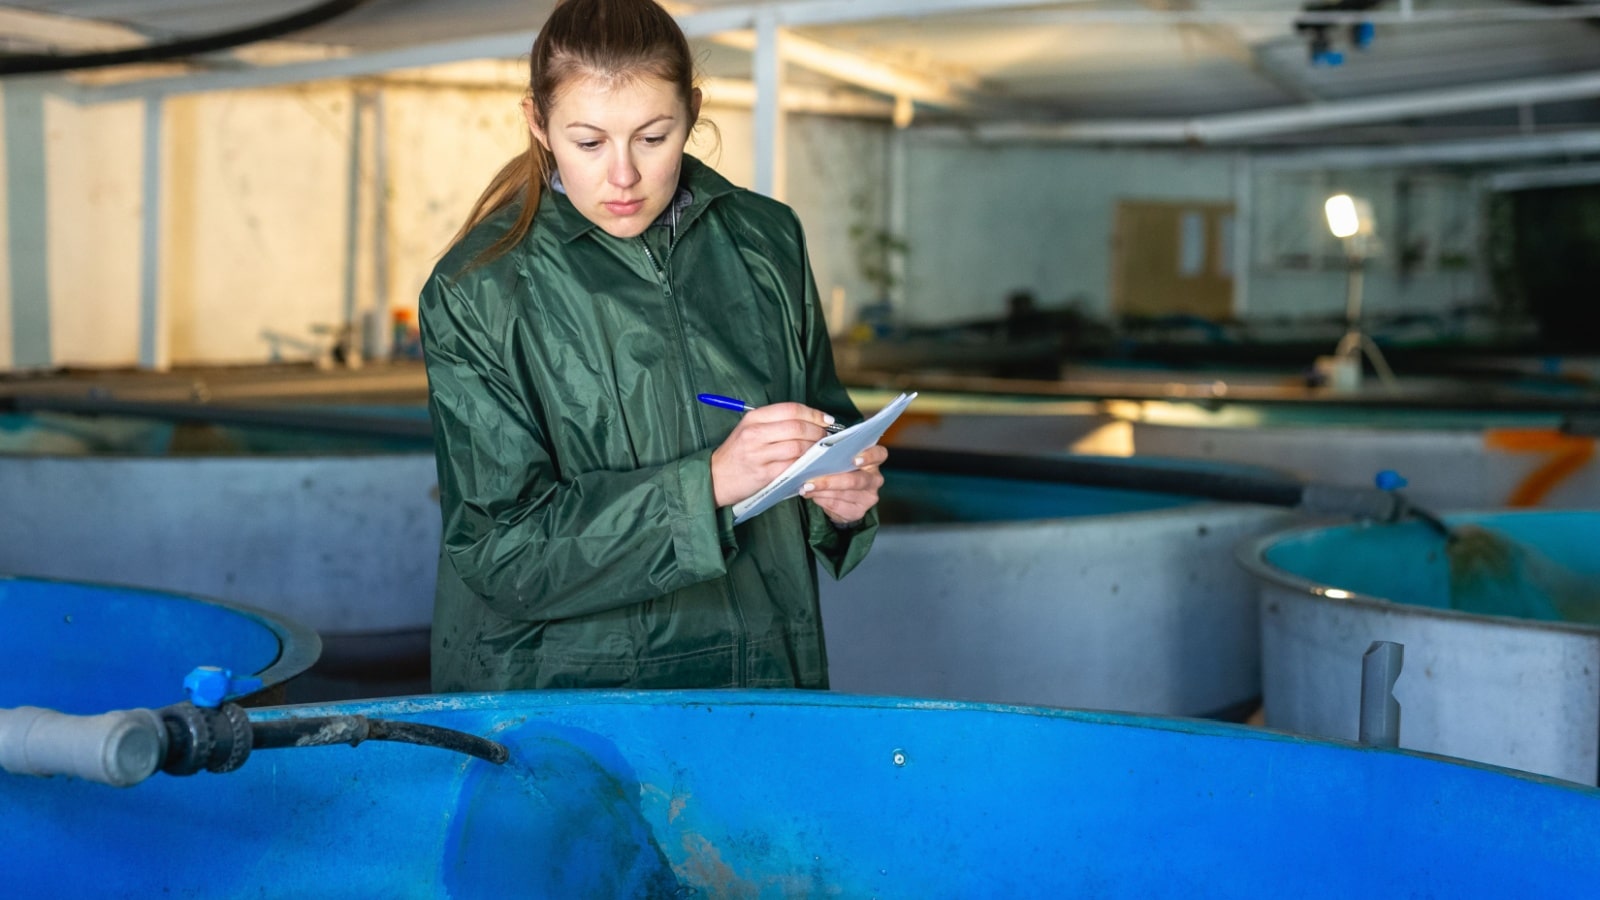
(618, 146)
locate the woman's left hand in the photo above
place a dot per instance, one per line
(847, 496)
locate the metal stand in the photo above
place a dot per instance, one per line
(1355, 341)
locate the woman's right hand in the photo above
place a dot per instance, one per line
(764, 443)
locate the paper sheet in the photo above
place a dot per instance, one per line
(833, 454)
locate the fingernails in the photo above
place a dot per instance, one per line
(860, 460)
(827, 419)
(807, 488)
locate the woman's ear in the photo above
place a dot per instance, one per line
(531, 113)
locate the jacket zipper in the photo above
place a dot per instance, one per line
(699, 436)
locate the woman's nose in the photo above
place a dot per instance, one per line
(624, 174)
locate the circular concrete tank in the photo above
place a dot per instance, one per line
(1514, 692)
(997, 590)
(339, 533)
(1453, 460)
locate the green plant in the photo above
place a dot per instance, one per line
(876, 247)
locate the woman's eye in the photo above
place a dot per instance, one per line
(588, 145)
(653, 139)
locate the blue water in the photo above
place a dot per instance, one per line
(52, 434)
(1533, 565)
(916, 498)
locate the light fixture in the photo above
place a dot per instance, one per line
(1343, 219)
(1351, 221)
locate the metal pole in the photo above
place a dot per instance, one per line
(380, 225)
(1243, 235)
(27, 165)
(154, 349)
(769, 117)
(899, 214)
(351, 319)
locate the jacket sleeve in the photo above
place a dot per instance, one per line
(533, 543)
(838, 549)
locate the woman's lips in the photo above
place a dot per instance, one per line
(624, 209)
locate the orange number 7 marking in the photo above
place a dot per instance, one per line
(1567, 454)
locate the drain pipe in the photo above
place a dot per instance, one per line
(125, 747)
(1380, 711)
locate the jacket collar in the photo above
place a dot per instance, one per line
(702, 182)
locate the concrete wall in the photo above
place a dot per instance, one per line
(984, 221)
(260, 187)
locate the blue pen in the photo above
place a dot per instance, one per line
(722, 402)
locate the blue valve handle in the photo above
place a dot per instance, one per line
(1390, 480)
(208, 686)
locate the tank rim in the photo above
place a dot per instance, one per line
(1251, 556)
(299, 646)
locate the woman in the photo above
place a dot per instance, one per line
(603, 279)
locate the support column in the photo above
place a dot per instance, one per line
(1243, 237)
(771, 163)
(350, 318)
(899, 217)
(380, 225)
(28, 223)
(155, 349)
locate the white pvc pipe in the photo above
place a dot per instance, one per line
(1473, 151)
(1255, 124)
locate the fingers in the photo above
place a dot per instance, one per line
(865, 477)
(779, 412)
(799, 430)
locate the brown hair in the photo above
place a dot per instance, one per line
(616, 40)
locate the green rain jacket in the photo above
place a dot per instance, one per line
(582, 546)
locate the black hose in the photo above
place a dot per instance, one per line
(36, 63)
(322, 731)
(1227, 486)
(443, 738)
(299, 420)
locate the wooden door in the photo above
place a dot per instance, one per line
(1173, 258)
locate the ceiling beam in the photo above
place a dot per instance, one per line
(852, 68)
(798, 98)
(48, 31)
(1557, 176)
(1226, 39)
(501, 46)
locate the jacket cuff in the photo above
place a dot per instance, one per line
(701, 534)
(839, 550)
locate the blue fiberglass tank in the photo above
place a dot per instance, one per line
(84, 648)
(789, 794)
(1009, 591)
(340, 532)
(1505, 684)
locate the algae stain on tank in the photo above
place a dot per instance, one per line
(560, 819)
(1492, 574)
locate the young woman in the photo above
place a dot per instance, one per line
(604, 279)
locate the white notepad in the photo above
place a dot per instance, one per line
(833, 454)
